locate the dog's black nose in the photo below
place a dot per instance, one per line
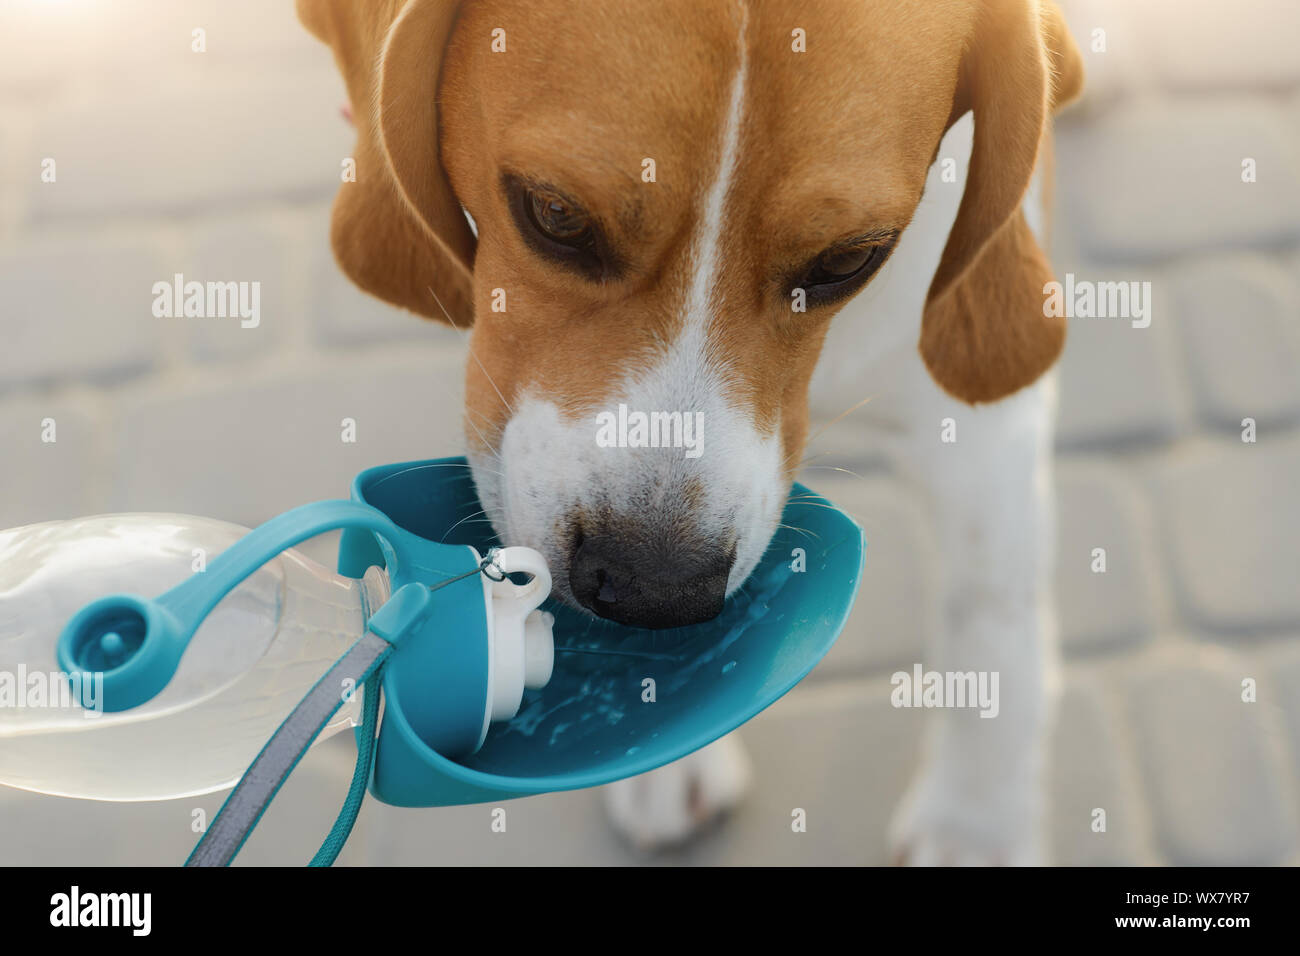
(654, 588)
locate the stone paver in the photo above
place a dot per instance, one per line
(1232, 533)
(1091, 773)
(277, 441)
(77, 307)
(91, 833)
(1120, 384)
(1149, 181)
(1102, 609)
(247, 249)
(1280, 689)
(1247, 46)
(1212, 763)
(48, 479)
(898, 599)
(838, 751)
(220, 165)
(1240, 325)
(224, 139)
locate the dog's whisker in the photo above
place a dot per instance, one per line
(834, 468)
(440, 464)
(469, 469)
(470, 349)
(790, 527)
(811, 458)
(818, 504)
(815, 435)
(486, 447)
(470, 422)
(462, 521)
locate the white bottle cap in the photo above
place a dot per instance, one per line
(521, 647)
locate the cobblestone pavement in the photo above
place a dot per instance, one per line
(226, 168)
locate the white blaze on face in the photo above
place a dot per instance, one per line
(549, 464)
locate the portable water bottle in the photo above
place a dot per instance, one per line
(215, 646)
(253, 657)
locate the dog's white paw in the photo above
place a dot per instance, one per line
(670, 804)
(943, 827)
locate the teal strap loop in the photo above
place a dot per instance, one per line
(362, 665)
(244, 807)
(366, 736)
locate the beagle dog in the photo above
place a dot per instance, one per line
(664, 205)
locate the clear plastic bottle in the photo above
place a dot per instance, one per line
(250, 662)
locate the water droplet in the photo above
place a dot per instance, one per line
(728, 667)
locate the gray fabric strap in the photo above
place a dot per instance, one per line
(264, 777)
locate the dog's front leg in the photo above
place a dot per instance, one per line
(978, 796)
(671, 804)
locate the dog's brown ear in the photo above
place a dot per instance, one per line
(983, 333)
(1064, 63)
(397, 231)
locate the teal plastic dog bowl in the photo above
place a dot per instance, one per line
(647, 698)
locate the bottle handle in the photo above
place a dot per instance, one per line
(137, 642)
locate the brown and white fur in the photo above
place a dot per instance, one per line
(764, 159)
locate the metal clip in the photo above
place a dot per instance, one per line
(489, 565)
(486, 567)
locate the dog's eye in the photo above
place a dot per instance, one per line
(841, 265)
(557, 219)
(560, 230)
(842, 270)
(838, 264)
